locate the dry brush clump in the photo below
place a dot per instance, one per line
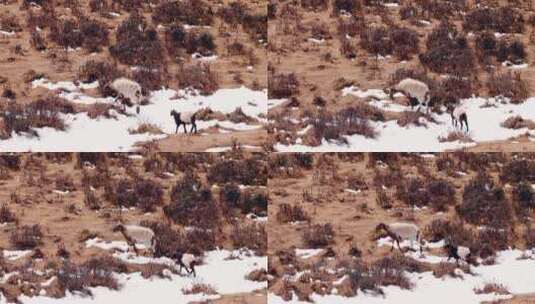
(318, 235)
(505, 19)
(143, 193)
(282, 85)
(289, 214)
(26, 237)
(252, 236)
(483, 203)
(199, 76)
(508, 85)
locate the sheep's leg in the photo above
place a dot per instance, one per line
(192, 127)
(176, 131)
(185, 130)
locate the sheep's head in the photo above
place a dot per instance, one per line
(118, 228)
(173, 112)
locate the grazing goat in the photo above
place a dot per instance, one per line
(186, 261)
(399, 232)
(184, 118)
(458, 115)
(415, 90)
(137, 235)
(457, 252)
(128, 91)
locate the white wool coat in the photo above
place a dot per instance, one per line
(186, 116)
(140, 235)
(128, 88)
(188, 259)
(458, 111)
(414, 88)
(405, 231)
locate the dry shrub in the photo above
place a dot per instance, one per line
(192, 204)
(376, 40)
(405, 42)
(91, 200)
(318, 236)
(486, 46)
(26, 237)
(446, 269)
(252, 236)
(37, 41)
(249, 171)
(199, 76)
(442, 194)
(448, 52)
(450, 91)
(349, 6)
(508, 85)
(485, 204)
(455, 136)
(146, 127)
(143, 193)
(94, 34)
(66, 33)
(283, 85)
(197, 288)
(192, 12)
(489, 241)
(517, 122)
(38, 114)
(504, 19)
(65, 183)
(6, 215)
(402, 73)
(348, 121)
(93, 273)
(383, 200)
(254, 202)
(418, 119)
(148, 79)
(411, 191)
(450, 232)
(11, 161)
(102, 71)
(10, 23)
(289, 214)
(352, 26)
(137, 43)
(513, 51)
(518, 170)
(494, 288)
(168, 240)
(98, 110)
(315, 5)
(524, 199)
(529, 238)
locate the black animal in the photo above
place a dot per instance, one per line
(184, 118)
(186, 261)
(457, 252)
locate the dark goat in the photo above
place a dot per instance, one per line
(184, 118)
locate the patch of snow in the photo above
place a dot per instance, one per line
(13, 255)
(307, 253)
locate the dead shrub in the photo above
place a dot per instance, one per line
(505, 19)
(6, 215)
(517, 122)
(485, 204)
(448, 52)
(143, 193)
(94, 273)
(442, 194)
(192, 12)
(494, 288)
(26, 237)
(405, 42)
(450, 90)
(376, 40)
(137, 43)
(450, 232)
(418, 119)
(197, 288)
(91, 200)
(455, 136)
(66, 33)
(282, 85)
(252, 236)
(94, 34)
(289, 214)
(37, 41)
(349, 6)
(382, 199)
(351, 26)
(315, 5)
(199, 76)
(348, 121)
(10, 23)
(249, 171)
(524, 199)
(10, 161)
(192, 204)
(508, 85)
(518, 170)
(318, 236)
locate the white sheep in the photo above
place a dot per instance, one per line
(129, 91)
(137, 235)
(399, 232)
(415, 90)
(457, 252)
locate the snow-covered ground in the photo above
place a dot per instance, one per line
(510, 270)
(223, 270)
(485, 117)
(112, 135)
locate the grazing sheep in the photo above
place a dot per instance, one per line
(399, 232)
(129, 92)
(415, 90)
(458, 115)
(457, 252)
(137, 235)
(184, 118)
(186, 261)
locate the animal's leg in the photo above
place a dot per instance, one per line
(185, 130)
(192, 127)
(399, 247)
(176, 131)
